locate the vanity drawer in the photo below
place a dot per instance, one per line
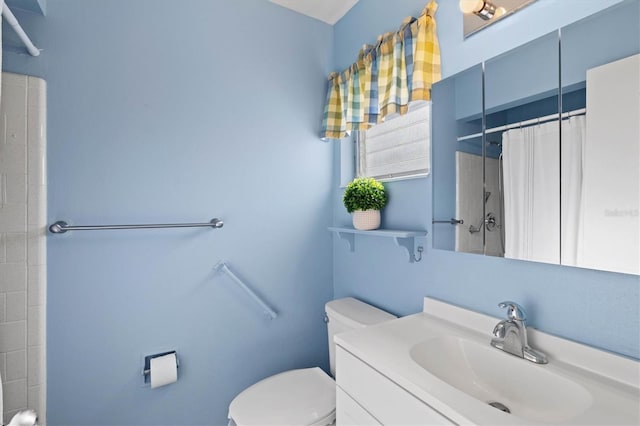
(349, 412)
(386, 401)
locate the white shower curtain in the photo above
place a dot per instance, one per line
(573, 142)
(542, 218)
(531, 158)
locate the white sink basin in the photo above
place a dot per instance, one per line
(530, 391)
(443, 357)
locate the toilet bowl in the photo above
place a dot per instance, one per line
(305, 396)
(22, 418)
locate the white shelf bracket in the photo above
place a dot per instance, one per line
(350, 238)
(413, 245)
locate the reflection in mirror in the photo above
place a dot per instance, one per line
(601, 185)
(560, 180)
(523, 151)
(458, 202)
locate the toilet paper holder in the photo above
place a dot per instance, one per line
(146, 371)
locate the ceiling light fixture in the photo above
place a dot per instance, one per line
(481, 8)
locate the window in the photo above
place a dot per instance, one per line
(397, 148)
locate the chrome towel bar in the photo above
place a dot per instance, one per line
(451, 221)
(61, 227)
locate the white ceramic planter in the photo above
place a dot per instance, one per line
(366, 220)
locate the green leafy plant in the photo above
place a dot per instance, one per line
(364, 194)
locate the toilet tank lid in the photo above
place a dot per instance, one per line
(356, 313)
(295, 397)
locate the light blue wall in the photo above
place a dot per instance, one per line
(163, 111)
(142, 129)
(597, 308)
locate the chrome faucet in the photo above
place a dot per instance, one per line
(511, 335)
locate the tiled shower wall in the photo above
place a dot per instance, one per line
(23, 211)
(469, 204)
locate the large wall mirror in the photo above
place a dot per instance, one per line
(545, 166)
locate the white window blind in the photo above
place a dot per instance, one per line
(399, 147)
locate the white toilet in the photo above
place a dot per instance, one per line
(307, 396)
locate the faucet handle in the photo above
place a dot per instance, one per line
(514, 311)
(499, 331)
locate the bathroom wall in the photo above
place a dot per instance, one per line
(164, 111)
(578, 304)
(23, 268)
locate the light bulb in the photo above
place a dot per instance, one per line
(471, 6)
(499, 12)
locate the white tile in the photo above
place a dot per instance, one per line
(15, 189)
(36, 163)
(15, 247)
(35, 96)
(15, 395)
(16, 309)
(13, 159)
(3, 248)
(16, 366)
(16, 115)
(36, 142)
(36, 285)
(13, 336)
(13, 218)
(34, 364)
(37, 89)
(3, 308)
(33, 399)
(37, 205)
(35, 332)
(13, 277)
(12, 79)
(36, 121)
(36, 245)
(3, 370)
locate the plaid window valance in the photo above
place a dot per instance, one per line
(398, 69)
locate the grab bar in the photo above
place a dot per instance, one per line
(61, 227)
(222, 267)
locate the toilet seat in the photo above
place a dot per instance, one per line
(297, 397)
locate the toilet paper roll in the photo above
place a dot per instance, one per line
(164, 370)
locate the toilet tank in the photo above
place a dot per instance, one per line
(350, 314)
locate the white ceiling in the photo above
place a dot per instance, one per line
(329, 11)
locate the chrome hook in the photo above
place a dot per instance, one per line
(420, 250)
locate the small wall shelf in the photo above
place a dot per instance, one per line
(412, 241)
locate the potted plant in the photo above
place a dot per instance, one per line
(365, 197)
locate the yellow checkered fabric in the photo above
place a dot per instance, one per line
(426, 64)
(401, 67)
(333, 124)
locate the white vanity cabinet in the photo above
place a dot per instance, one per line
(366, 397)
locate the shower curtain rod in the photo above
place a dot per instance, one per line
(546, 118)
(11, 20)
